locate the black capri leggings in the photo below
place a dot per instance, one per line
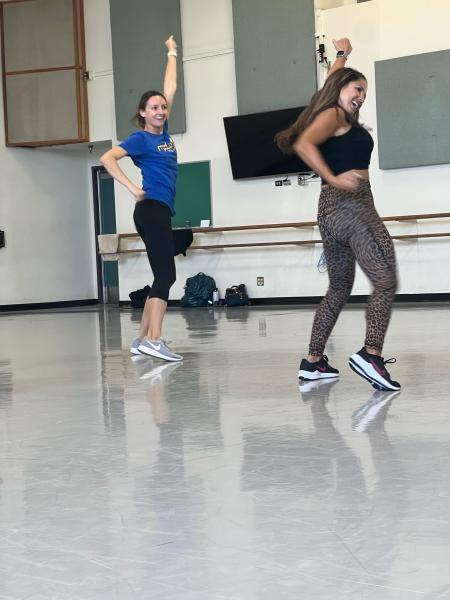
(353, 232)
(153, 224)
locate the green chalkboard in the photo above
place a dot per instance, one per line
(193, 199)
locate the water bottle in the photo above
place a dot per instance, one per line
(216, 296)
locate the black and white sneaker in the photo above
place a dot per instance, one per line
(371, 367)
(317, 370)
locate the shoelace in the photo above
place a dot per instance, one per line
(389, 361)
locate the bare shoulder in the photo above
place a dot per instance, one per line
(334, 116)
(324, 126)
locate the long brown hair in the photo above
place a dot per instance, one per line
(326, 97)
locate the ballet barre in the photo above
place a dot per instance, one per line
(293, 225)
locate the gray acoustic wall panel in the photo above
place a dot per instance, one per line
(139, 29)
(413, 110)
(275, 51)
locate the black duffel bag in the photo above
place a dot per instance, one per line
(236, 295)
(139, 297)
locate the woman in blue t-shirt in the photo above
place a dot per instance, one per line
(153, 151)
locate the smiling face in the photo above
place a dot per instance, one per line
(155, 114)
(353, 95)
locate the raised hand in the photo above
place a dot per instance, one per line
(171, 43)
(343, 44)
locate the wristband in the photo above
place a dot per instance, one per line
(342, 54)
(172, 53)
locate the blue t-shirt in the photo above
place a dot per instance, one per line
(156, 156)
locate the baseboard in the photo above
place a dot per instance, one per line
(314, 300)
(357, 299)
(46, 305)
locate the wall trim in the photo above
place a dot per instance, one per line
(314, 300)
(357, 299)
(47, 305)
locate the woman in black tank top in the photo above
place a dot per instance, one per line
(329, 138)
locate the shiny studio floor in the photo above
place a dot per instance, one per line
(218, 479)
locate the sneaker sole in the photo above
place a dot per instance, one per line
(308, 376)
(152, 352)
(360, 367)
(134, 351)
(375, 384)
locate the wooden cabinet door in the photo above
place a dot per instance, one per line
(44, 72)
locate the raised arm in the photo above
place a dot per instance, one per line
(343, 49)
(170, 76)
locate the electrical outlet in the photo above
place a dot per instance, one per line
(278, 182)
(260, 281)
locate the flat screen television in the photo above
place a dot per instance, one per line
(251, 146)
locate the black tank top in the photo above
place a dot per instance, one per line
(352, 150)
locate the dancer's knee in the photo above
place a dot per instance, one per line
(161, 286)
(388, 284)
(338, 294)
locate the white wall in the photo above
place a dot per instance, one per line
(379, 29)
(210, 95)
(46, 206)
(99, 65)
(325, 4)
(45, 212)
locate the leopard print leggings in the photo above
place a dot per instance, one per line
(352, 231)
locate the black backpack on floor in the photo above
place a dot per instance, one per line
(198, 291)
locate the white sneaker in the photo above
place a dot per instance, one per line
(158, 348)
